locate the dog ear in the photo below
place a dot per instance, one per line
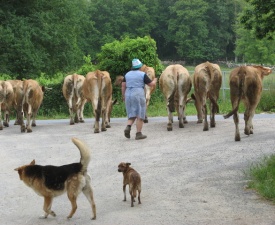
(32, 162)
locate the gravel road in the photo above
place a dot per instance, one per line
(189, 176)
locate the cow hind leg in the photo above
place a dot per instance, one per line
(181, 125)
(237, 132)
(103, 123)
(212, 115)
(7, 119)
(205, 126)
(170, 120)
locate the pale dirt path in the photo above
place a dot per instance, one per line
(189, 176)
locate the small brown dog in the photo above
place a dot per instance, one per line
(51, 181)
(131, 177)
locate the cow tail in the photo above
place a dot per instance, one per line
(171, 98)
(210, 71)
(75, 89)
(99, 84)
(241, 74)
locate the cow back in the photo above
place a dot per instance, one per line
(33, 93)
(6, 95)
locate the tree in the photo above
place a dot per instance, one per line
(260, 16)
(41, 36)
(116, 57)
(252, 50)
(188, 29)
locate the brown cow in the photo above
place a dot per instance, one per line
(246, 85)
(17, 99)
(97, 89)
(72, 91)
(175, 84)
(147, 89)
(6, 102)
(32, 98)
(207, 84)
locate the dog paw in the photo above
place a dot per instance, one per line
(43, 217)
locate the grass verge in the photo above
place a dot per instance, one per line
(262, 177)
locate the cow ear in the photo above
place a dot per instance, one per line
(43, 88)
(128, 164)
(32, 162)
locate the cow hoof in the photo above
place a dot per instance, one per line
(6, 124)
(23, 129)
(213, 125)
(33, 124)
(205, 129)
(103, 129)
(185, 121)
(237, 138)
(96, 131)
(199, 121)
(145, 121)
(71, 123)
(181, 125)
(169, 128)
(247, 132)
(108, 126)
(81, 121)
(29, 130)
(1, 127)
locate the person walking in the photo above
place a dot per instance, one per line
(134, 96)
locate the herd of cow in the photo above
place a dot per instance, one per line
(175, 83)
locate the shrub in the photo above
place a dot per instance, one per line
(116, 57)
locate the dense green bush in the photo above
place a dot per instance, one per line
(116, 57)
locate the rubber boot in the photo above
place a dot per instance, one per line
(140, 136)
(127, 132)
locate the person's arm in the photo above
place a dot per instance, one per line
(123, 88)
(149, 82)
(153, 83)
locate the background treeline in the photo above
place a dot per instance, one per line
(48, 36)
(46, 39)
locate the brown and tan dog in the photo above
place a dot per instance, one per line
(131, 177)
(51, 181)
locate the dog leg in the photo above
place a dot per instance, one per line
(132, 201)
(124, 191)
(47, 208)
(139, 191)
(88, 192)
(139, 202)
(72, 197)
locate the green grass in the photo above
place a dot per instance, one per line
(262, 177)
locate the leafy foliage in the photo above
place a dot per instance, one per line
(116, 57)
(260, 16)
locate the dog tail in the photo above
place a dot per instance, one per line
(85, 153)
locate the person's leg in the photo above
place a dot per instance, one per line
(139, 125)
(128, 127)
